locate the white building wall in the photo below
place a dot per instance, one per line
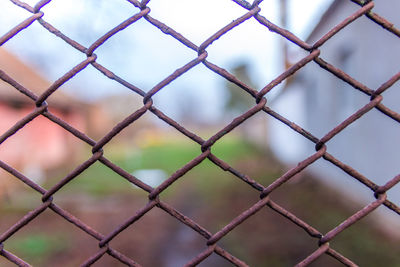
(371, 144)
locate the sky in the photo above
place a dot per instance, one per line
(144, 56)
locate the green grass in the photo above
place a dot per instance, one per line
(216, 196)
(168, 156)
(36, 248)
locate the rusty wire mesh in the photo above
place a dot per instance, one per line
(261, 100)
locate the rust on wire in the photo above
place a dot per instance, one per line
(251, 11)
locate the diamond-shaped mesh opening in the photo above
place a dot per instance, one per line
(144, 146)
(45, 53)
(157, 232)
(17, 199)
(289, 135)
(373, 71)
(46, 146)
(241, 49)
(108, 91)
(337, 177)
(330, 21)
(49, 236)
(360, 238)
(196, 13)
(368, 150)
(259, 57)
(325, 209)
(197, 89)
(239, 147)
(98, 183)
(87, 20)
(268, 238)
(334, 99)
(149, 56)
(206, 190)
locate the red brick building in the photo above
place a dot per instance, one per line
(41, 145)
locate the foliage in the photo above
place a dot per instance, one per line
(266, 239)
(239, 101)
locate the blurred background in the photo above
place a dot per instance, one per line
(203, 102)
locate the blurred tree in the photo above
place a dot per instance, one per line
(255, 129)
(238, 100)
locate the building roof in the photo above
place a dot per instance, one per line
(326, 16)
(31, 80)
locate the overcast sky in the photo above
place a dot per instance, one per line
(144, 56)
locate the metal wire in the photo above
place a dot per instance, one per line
(252, 10)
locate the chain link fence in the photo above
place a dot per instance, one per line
(251, 11)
